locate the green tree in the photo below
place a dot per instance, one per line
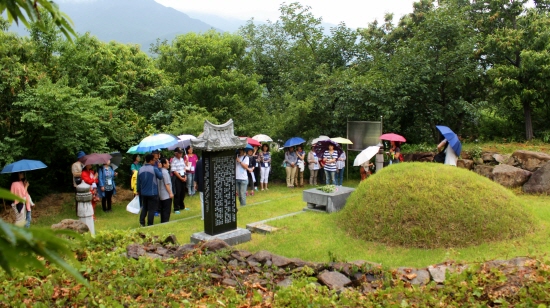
(28, 11)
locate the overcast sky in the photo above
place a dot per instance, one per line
(355, 13)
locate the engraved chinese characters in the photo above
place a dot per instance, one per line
(219, 192)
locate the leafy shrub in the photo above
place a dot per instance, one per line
(432, 205)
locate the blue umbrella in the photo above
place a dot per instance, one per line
(23, 165)
(451, 137)
(293, 142)
(157, 141)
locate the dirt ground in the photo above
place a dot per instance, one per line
(52, 204)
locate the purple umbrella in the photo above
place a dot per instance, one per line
(95, 159)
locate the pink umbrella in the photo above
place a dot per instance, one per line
(393, 137)
(253, 142)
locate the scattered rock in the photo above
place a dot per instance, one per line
(437, 272)
(509, 176)
(539, 182)
(229, 282)
(152, 255)
(214, 245)
(334, 280)
(135, 251)
(171, 239)
(280, 261)
(287, 282)
(261, 256)
(71, 224)
(183, 250)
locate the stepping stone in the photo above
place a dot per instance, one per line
(259, 227)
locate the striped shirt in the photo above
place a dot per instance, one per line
(332, 165)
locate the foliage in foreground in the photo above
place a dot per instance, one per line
(118, 281)
(433, 206)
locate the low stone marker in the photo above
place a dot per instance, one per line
(329, 202)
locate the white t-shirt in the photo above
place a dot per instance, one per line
(240, 172)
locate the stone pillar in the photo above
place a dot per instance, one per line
(218, 145)
(220, 202)
(84, 209)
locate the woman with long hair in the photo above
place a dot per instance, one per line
(313, 165)
(190, 165)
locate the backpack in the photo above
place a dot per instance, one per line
(440, 157)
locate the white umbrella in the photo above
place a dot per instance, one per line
(320, 138)
(366, 155)
(262, 138)
(183, 142)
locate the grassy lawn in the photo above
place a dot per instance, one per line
(315, 236)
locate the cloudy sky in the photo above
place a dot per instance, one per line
(355, 13)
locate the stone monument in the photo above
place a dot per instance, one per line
(218, 145)
(84, 209)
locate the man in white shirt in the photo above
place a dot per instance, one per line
(241, 176)
(178, 180)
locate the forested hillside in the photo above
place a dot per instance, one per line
(480, 68)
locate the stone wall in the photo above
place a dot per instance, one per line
(263, 268)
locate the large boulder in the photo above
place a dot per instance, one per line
(510, 176)
(486, 171)
(71, 224)
(539, 181)
(528, 160)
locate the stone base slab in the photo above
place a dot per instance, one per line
(261, 228)
(332, 202)
(232, 238)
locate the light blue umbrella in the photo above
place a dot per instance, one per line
(24, 165)
(452, 138)
(133, 150)
(157, 141)
(293, 142)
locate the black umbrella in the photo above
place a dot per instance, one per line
(322, 146)
(116, 158)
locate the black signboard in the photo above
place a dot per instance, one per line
(220, 207)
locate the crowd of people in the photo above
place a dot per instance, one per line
(162, 183)
(329, 167)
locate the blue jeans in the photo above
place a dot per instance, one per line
(28, 219)
(190, 183)
(330, 176)
(241, 190)
(340, 176)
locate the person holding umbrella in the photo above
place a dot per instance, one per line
(450, 144)
(147, 187)
(241, 177)
(313, 164)
(290, 165)
(19, 186)
(330, 157)
(300, 166)
(107, 187)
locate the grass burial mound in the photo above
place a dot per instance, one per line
(429, 205)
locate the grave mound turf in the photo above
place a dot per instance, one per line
(429, 205)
